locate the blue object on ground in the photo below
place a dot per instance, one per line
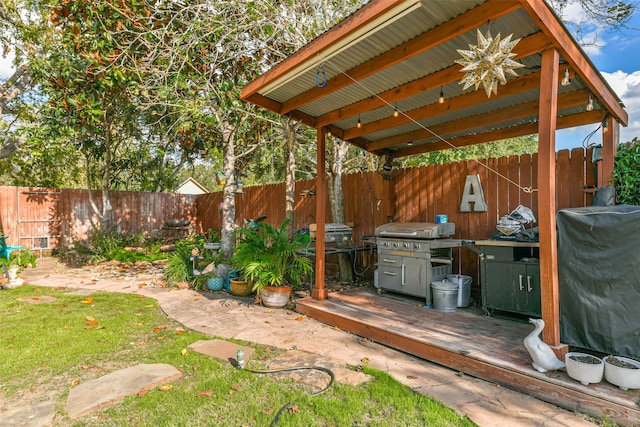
(5, 250)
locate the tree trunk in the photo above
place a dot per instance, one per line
(336, 201)
(228, 195)
(290, 134)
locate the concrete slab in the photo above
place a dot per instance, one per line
(38, 414)
(220, 349)
(93, 395)
(316, 379)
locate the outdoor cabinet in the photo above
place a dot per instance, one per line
(407, 275)
(510, 274)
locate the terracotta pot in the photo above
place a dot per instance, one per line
(276, 297)
(622, 371)
(585, 368)
(240, 288)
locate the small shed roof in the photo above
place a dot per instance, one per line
(191, 186)
(400, 55)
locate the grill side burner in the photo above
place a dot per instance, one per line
(410, 258)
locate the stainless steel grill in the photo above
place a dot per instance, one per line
(412, 255)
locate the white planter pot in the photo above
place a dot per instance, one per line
(275, 297)
(625, 377)
(583, 367)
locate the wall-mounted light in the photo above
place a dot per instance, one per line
(590, 103)
(359, 125)
(441, 97)
(566, 81)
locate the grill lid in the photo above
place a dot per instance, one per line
(416, 230)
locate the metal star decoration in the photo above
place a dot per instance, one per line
(488, 63)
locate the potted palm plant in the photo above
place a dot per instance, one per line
(268, 257)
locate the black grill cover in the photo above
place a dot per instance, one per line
(599, 278)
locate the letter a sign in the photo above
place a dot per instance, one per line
(473, 194)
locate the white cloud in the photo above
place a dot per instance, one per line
(627, 86)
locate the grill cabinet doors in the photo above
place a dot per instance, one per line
(404, 274)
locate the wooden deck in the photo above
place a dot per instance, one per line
(486, 347)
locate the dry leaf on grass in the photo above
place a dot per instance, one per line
(184, 352)
(88, 300)
(166, 387)
(207, 393)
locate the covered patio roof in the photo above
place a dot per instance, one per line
(399, 55)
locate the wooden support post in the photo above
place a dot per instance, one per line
(319, 291)
(610, 141)
(547, 200)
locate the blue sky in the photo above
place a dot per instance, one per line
(615, 54)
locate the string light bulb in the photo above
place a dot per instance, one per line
(441, 97)
(590, 103)
(605, 125)
(359, 125)
(566, 81)
(396, 113)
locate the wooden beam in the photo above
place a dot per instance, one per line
(610, 141)
(529, 109)
(497, 135)
(348, 26)
(469, 20)
(319, 291)
(551, 25)
(547, 199)
(526, 47)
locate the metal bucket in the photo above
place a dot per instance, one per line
(464, 288)
(445, 295)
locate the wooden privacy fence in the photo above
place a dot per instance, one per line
(45, 219)
(421, 193)
(36, 218)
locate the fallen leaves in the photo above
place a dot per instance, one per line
(184, 352)
(166, 387)
(233, 389)
(88, 300)
(207, 393)
(160, 328)
(92, 323)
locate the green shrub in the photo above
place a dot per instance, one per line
(23, 258)
(626, 173)
(177, 270)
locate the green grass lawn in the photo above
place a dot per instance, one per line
(49, 348)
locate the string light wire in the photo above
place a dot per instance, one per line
(527, 190)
